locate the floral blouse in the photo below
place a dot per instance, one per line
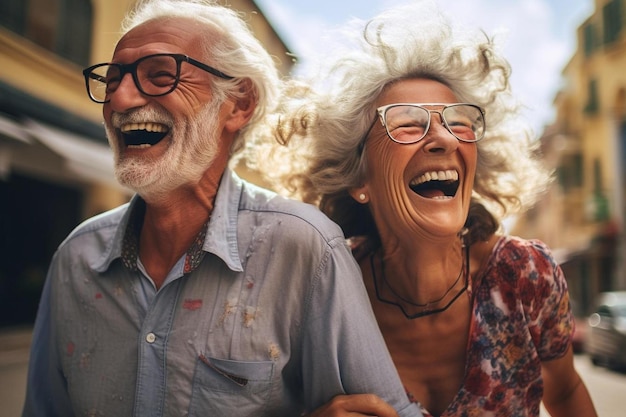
(521, 317)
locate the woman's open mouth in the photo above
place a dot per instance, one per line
(436, 184)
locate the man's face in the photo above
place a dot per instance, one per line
(161, 143)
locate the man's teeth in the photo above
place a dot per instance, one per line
(448, 175)
(147, 126)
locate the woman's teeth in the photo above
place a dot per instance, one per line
(436, 184)
(448, 175)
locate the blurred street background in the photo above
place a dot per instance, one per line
(568, 59)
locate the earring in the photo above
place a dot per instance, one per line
(362, 197)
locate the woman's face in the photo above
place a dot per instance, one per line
(419, 190)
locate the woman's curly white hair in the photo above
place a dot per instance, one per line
(321, 123)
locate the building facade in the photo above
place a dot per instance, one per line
(56, 168)
(583, 215)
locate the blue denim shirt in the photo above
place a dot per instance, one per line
(269, 318)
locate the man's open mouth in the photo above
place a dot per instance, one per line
(143, 134)
(436, 184)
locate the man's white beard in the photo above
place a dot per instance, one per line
(193, 146)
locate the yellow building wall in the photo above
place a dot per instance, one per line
(591, 247)
(44, 75)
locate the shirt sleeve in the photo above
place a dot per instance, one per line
(46, 387)
(343, 348)
(546, 298)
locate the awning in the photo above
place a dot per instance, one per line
(82, 156)
(85, 157)
(12, 130)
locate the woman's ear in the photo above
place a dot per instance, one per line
(242, 107)
(360, 194)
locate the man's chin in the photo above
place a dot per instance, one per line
(152, 187)
(142, 184)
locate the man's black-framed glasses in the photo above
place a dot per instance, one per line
(154, 75)
(409, 122)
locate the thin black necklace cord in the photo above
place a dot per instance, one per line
(413, 303)
(465, 268)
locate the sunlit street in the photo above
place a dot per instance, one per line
(607, 387)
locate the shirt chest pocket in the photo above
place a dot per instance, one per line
(223, 386)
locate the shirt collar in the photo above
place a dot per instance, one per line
(218, 237)
(221, 238)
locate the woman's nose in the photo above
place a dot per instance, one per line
(439, 138)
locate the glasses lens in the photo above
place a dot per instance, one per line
(466, 122)
(154, 75)
(406, 123)
(98, 81)
(157, 75)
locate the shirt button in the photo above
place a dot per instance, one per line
(150, 338)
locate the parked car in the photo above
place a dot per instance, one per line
(606, 341)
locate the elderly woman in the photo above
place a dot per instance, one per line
(414, 145)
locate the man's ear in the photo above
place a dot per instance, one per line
(360, 194)
(242, 106)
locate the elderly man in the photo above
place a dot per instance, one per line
(205, 295)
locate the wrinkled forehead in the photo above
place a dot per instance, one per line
(161, 35)
(416, 90)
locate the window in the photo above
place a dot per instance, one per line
(601, 203)
(570, 173)
(593, 105)
(589, 39)
(61, 26)
(597, 175)
(612, 17)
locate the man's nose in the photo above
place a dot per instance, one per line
(127, 95)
